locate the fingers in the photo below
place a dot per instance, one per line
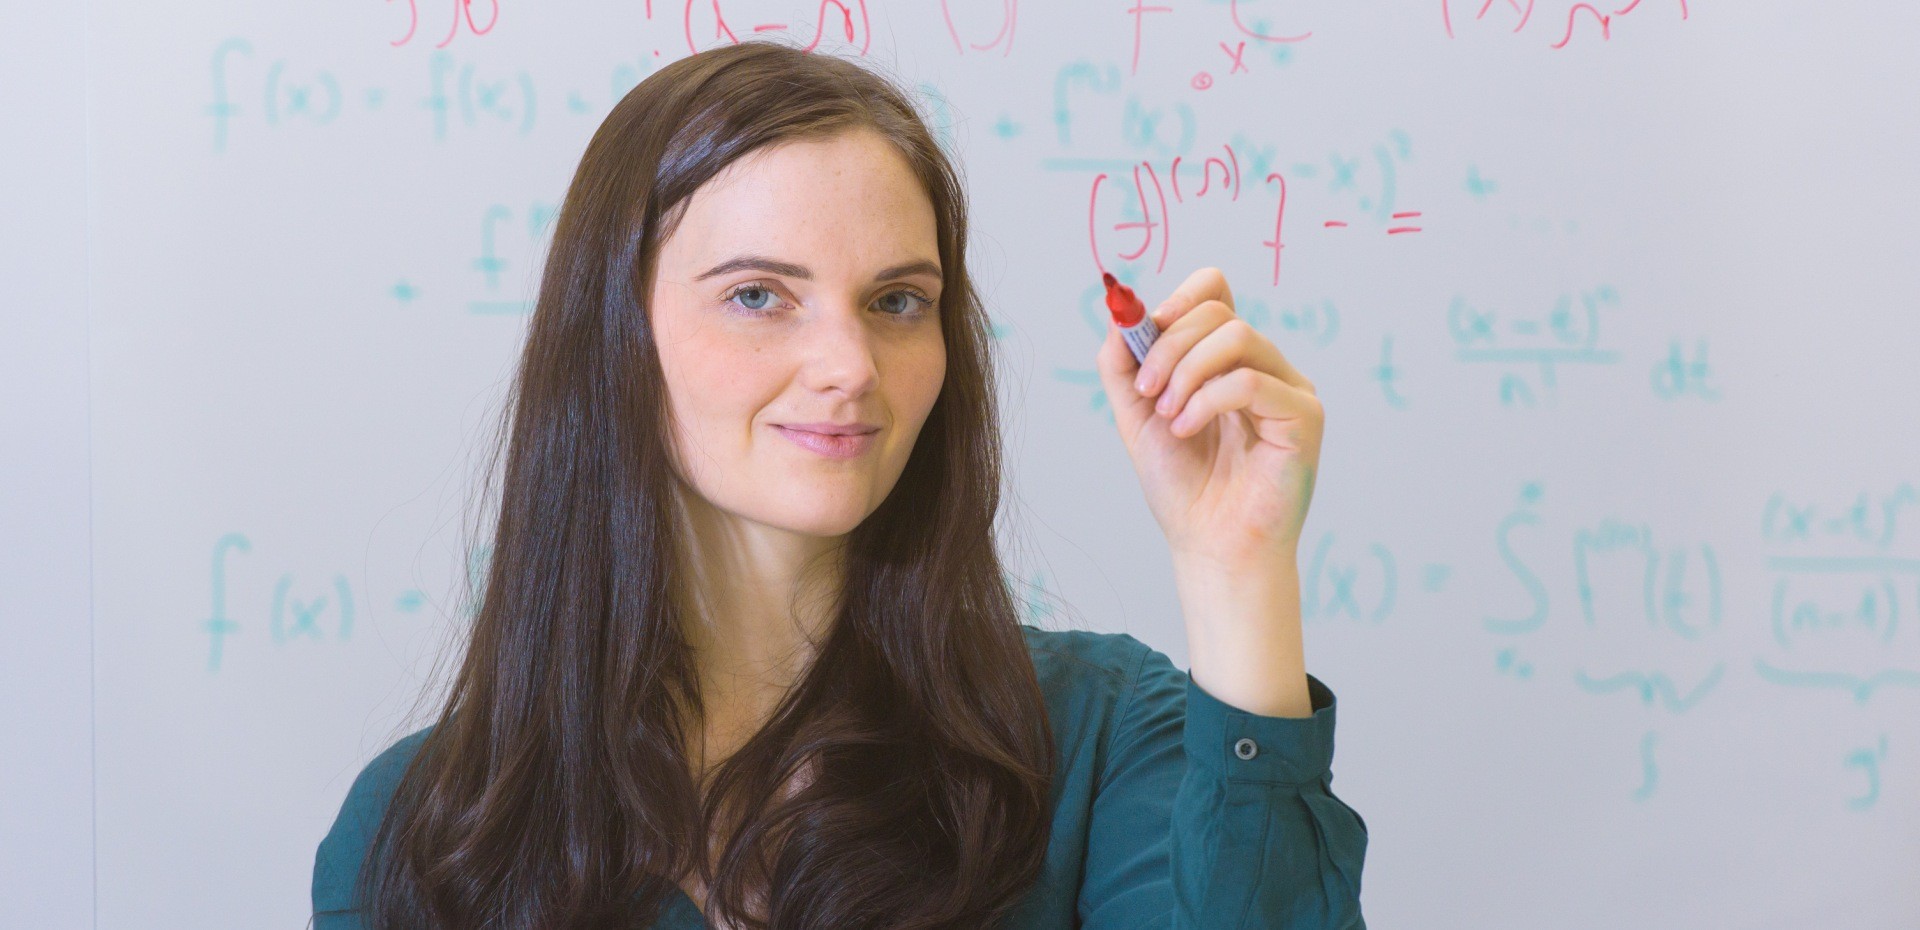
(1277, 409)
(1176, 340)
(1117, 367)
(1201, 341)
(1232, 344)
(1201, 286)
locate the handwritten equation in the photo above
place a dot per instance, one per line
(1575, 20)
(298, 612)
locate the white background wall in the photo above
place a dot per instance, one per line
(1612, 560)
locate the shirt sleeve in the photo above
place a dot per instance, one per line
(337, 861)
(336, 865)
(1211, 817)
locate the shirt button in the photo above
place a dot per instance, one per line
(1246, 748)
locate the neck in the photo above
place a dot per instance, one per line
(759, 602)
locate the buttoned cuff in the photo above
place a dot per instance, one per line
(1223, 740)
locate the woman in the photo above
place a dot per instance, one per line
(746, 655)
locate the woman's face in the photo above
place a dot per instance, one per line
(801, 287)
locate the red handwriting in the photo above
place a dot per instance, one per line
(1606, 22)
(1576, 14)
(1279, 219)
(1203, 80)
(1009, 12)
(722, 30)
(1447, 17)
(1220, 177)
(846, 24)
(462, 12)
(1137, 10)
(1145, 226)
(1233, 10)
(1391, 230)
(1229, 170)
(719, 26)
(1237, 54)
(1231, 173)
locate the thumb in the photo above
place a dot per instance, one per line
(1118, 368)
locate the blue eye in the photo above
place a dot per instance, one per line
(745, 296)
(916, 303)
(759, 300)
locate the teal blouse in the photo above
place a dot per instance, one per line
(1172, 809)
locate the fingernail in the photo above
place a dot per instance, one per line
(1166, 404)
(1140, 383)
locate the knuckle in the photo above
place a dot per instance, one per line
(1214, 308)
(1218, 280)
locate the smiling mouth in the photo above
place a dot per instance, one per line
(828, 444)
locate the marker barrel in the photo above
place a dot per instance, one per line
(1125, 305)
(1140, 336)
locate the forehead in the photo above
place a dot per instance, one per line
(847, 201)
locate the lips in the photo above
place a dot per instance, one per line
(832, 429)
(830, 445)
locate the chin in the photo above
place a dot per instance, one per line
(797, 508)
(828, 525)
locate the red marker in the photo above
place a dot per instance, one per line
(1136, 327)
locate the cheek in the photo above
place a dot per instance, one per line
(716, 386)
(729, 388)
(927, 373)
(914, 378)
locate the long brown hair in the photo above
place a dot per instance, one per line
(554, 788)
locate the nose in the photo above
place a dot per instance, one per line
(839, 350)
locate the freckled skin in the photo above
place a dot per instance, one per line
(844, 208)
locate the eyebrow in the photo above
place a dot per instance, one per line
(791, 270)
